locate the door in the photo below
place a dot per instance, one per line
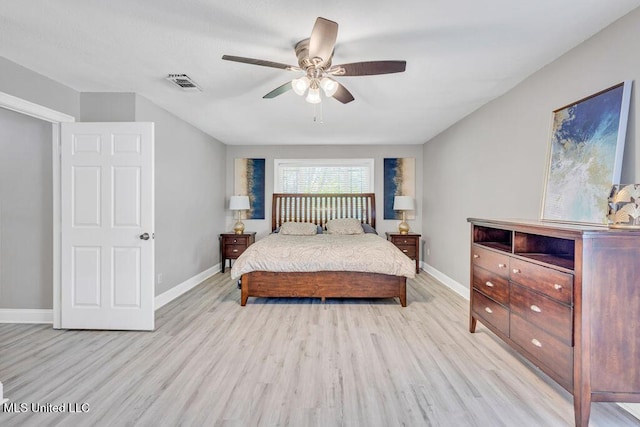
(107, 225)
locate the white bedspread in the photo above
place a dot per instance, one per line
(324, 252)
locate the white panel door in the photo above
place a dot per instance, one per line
(107, 245)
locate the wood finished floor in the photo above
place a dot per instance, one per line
(295, 362)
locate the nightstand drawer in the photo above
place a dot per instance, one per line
(403, 240)
(408, 250)
(239, 240)
(234, 251)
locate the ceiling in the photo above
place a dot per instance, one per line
(460, 55)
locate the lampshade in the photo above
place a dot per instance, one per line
(329, 86)
(239, 203)
(300, 85)
(313, 97)
(403, 203)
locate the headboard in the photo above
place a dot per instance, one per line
(320, 208)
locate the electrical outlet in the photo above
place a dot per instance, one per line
(159, 279)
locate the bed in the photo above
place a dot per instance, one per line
(325, 281)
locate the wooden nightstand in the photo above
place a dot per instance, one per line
(409, 244)
(232, 245)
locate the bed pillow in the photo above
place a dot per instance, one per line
(298, 228)
(344, 226)
(369, 229)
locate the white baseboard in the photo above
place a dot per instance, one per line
(12, 315)
(173, 293)
(632, 408)
(461, 290)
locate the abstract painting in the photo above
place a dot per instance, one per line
(399, 180)
(249, 181)
(585, 156)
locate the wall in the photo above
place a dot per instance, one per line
(26, 218)
(112, 107)
(31, 86)
(377, 152)
(190, 197)
(492, 163)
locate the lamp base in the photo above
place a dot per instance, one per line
(403, 228)
(238, 227)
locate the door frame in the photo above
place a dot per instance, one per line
(54, 117)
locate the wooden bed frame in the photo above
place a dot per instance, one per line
(318, 209)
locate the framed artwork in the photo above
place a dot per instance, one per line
(585, 156)
(399, 180)
(249, 181)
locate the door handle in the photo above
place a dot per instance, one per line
(144, 236)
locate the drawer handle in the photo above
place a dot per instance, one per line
(235, 240)
(535, 308)
(476, 256)
(235, 250)
(536, 342)
(516, 270)
(488, 310)
(405, 251)
(557, 287)
(502, 265)
(489, 284)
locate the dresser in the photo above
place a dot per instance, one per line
(409, 244)
(566, 297)
(233, 245)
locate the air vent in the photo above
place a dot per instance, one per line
(183, 81)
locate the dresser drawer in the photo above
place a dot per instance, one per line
(555, 355)
(495, 262)
(545, 313)
(490, 312)
(554, 283)
(408, 250)
(233, 251)
(490, 284)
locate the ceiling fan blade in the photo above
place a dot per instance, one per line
(279, 90)
(262, 62)
(343, 95)
(369, 68)
(323, 40)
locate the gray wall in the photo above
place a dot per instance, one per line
(377, 152)
(26, 200)
(190, 213)
(31, 86)
(492, 163)
(112, 107)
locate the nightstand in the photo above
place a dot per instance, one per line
(409, 244)
(233, 245)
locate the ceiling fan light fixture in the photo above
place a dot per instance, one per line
(313, 97)
(329, 86)
(300, 85)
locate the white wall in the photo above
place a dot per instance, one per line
(377, 152)
(492, 163)
(26, 217)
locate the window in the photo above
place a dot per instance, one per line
(323, 176)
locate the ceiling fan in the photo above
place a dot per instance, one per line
(314, 60)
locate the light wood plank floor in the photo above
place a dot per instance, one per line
(294, 362)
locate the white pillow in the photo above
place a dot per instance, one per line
(344, 226)
(299, 228)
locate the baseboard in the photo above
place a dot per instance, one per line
(632, 408)
(173, 293)
(11, 315)
(461, 290)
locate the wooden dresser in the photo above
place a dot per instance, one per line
(567, 298)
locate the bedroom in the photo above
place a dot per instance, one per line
(462, 169)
